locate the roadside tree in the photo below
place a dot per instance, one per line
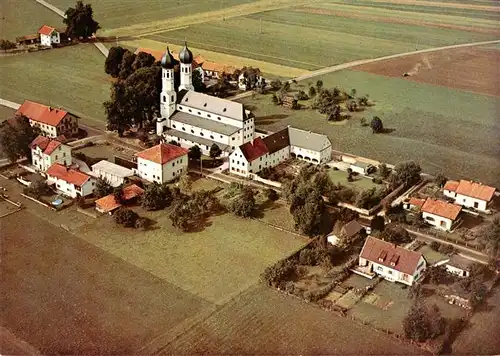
(80, 21)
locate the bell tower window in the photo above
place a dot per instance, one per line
(164, 99)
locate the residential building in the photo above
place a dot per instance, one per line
(108, 203)
(271, 150)
(45, 152)
(349, 232)
(70, 181)
(114, 174)
(470, 194)
(162, 163)
(413, 204)
(391, 262)
(52, 122)
(216, 70)
(459, 266)
(49, 36)
(440, 214)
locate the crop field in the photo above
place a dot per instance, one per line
(25, 17)
(65, 296)
(261, 321)
(71, 77)
(445, 130)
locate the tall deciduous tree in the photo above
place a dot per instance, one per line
(215, 151)
(16, 136)
(407, 172)
(194, 152)
(143, 59)
(244, 205)
(156, 196)
(423, 323)
(80, 21)
(102, 188)
(113, 62)
(125, 217)
(198, 84)
(126, 66)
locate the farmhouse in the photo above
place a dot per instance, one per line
(441, 214)
(45, 152)
(273, 149)
(470, 194)
(52, 122)
(112, 173)
(28, 39)
(108, 203)
(349, 232)
(69, 181)
(192, 118)
(49, 36)
(162, 163)
(394, 263)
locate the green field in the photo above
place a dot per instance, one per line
(445, 130)
(70, 77)
(24, 17)
(359, 183)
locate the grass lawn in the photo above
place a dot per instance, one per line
(445, 130)
(430, 255)
(215, 263)
(65, 296)
(71, 77)
(359, 182)
(25, 17)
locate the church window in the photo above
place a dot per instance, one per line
(180, 107)
(183, 129)
(199, 113)
(218, 117)
(208, 115)
(205, 105)
(201, 133)
(164, 98)
(190, 110)
(192, 131)
(172, 98)
(233, 139)
(173, 126)
(212, 137)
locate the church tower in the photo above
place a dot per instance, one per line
(186, 59)
(168, 97)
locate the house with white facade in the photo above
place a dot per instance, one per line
(440, 214)
(457, 265)
(192, 118)
(216, 70)
(271, 150)
(391, 262)
(45, 152)
(470, 194)
(49, 36)
(114, 174)
(69, 181)
(51, 121)
(162, 163)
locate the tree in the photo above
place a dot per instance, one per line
(351, 105)
(113, 62)
(126, 66)
(307, 208)
(377, 125)
(16, 136)
(80, 21)
(6, 45)
(368, 198)
(312, 91)
(301, 95)
(271, 194)
(215, 151)
(395, 233)
(437, 274)
(440, 180)
(353, 93)
(407, 173)
(363, 100)
(156, 196)
(490, 238)
(423, 323)
(333, 113)
(276, 84)
(383, 170)
(194, 152)
(125, 217)
(244, 205)
(185, 182)
(319, 85)
(378, 223)
(251, 76)
(142, 60)
(198, 84)
(38, 188)
(102, 188)
(175, 143)
(119, 194)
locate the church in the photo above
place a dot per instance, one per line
(192, 118)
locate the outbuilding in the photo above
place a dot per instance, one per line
(114, 174)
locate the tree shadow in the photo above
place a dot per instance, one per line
(387, 130)
(260, 210)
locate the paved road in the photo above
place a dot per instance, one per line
(352, 64)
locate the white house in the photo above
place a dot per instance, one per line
(45, 152)
(440, 214)
(271, 150)
(52, 122)
(112, 173)
(392, 262)
(457, 265)
(69, 181)
(470, 194)
(49, 36)
(162, 163)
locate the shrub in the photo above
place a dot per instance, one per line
(377, 181)
(301, 95)
(125, 217)
(317, 294)
(436, 246)
(271, 194)
(447, 249)
(312, 91)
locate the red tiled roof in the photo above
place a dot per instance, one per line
(46, 30)
(162, 153)
(41, 113)
(254, 150)
(109, 203)
(46, 144)
(218, 67)
(417, 202)
(69, 175)
(475, 190)
(441, 208)
(451, 185)
(406, 261)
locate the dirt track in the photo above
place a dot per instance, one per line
(441, 4)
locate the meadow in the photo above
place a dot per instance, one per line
(71, 77)
(6, 113)
(445, 130)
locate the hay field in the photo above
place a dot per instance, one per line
(65, 296)
(24, 17)
(71, 77)
(264, 322)
(445, 130)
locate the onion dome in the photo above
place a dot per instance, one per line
(186, 56)
(167, 61)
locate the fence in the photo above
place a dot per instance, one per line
(445, 237)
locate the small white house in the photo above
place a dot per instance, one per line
(392, 262)
(440, 214)
(49, 36)
(45, 152)
(162, 163)
(112, 173)
(459, 266)
(69, 181)
(470, 194)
